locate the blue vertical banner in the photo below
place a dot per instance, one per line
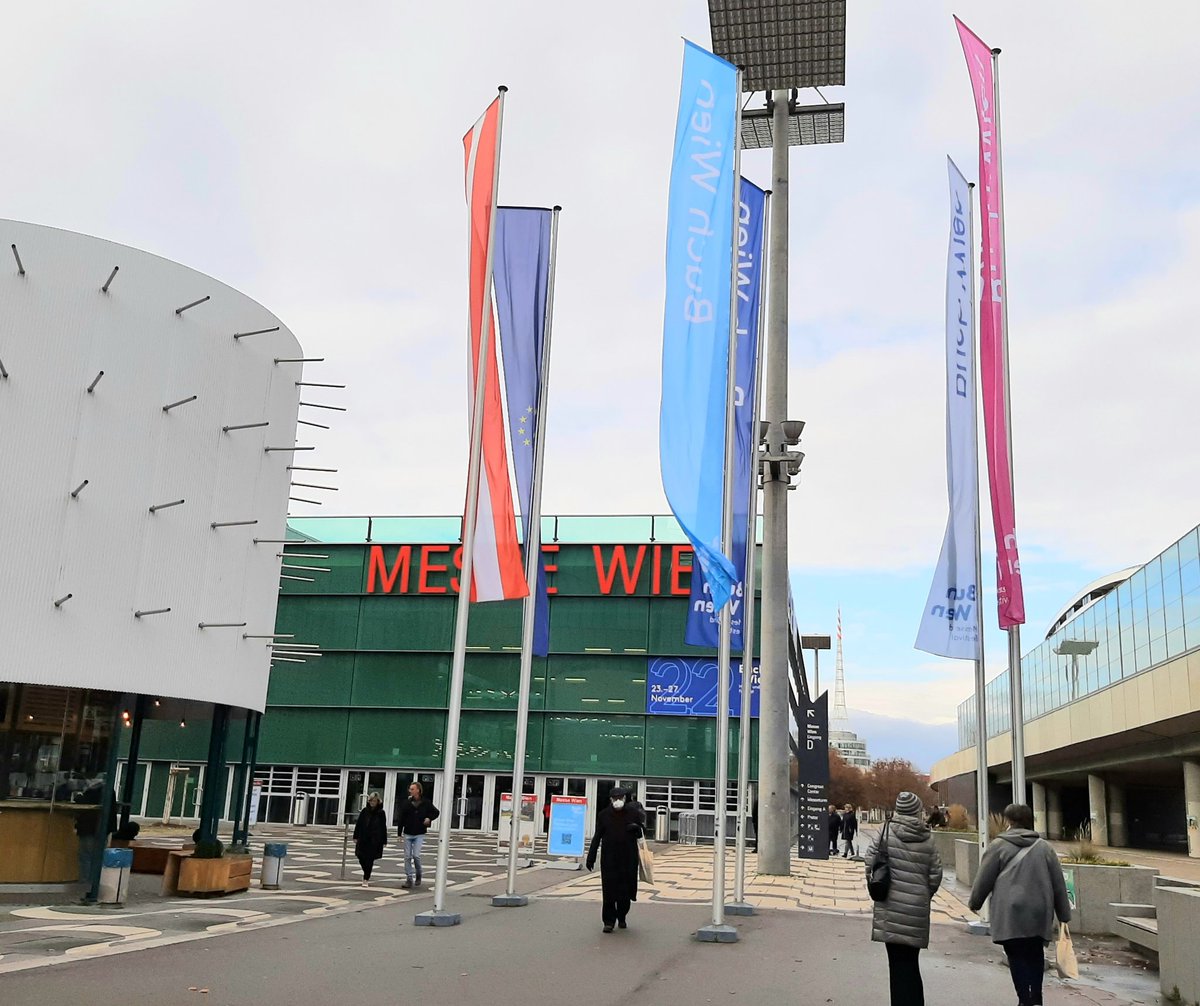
(950, 622)
(703, 622)
(695, 358)
(521, 271)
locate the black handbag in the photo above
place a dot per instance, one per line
(879, 878)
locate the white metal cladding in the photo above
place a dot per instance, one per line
(57, 332)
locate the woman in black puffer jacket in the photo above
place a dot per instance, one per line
(901, 921)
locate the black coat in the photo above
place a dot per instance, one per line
(835, 825)
(849, 825)
(617, 832)
(370, 833)
(411, 817)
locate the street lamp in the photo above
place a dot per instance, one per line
(780, 47)
(1075, 648)
(816, 644)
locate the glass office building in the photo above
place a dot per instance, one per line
(1136, 623)
(618, 698)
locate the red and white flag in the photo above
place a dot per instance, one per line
(498, 572)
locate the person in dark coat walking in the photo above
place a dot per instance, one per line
(616, 839)
(901, 921)
(835, 829)
(370, 836)
(849, 831)
(1025, 879)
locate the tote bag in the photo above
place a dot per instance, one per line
(1064, 954)
(645, 862)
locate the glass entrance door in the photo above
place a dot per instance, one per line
(468, 801)
(503, 784)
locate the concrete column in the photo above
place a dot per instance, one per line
(1191, 801)
(1098, 807)
(1118, 829)
(1054, 824)
(1039, 809)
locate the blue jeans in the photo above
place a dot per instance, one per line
(412, 855)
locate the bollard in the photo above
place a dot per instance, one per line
(274, 853)
(114, 876)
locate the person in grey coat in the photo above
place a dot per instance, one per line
(1025, 879)
(901, 922)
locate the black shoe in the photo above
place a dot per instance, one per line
(407, 883)
(621, 924)
(608, 929)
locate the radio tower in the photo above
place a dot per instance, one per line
(840, 718)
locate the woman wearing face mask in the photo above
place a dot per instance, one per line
(370, 835)
(616, 839)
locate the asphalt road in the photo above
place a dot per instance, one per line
(548, 952)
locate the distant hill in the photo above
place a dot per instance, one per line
(890, 737)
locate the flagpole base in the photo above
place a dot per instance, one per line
(740, 908)
(717, 934)
(980, 927)
(439, 920)
(509, 901)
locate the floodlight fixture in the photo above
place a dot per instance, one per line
(792, 428)
(808, 125)
(781, 44)
(815, 642)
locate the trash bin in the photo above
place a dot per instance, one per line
(300, 809)
(115, 868)
(662, 825)
(274, 854)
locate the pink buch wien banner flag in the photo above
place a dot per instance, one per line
(992, 334)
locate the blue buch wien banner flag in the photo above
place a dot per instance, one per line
(521, 270)
(950, 622)
(703, 623)
(696, 320)
(687, 686)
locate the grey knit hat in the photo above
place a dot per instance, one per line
(907, 803)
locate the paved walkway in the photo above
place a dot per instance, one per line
(360, 944)
(683, 876)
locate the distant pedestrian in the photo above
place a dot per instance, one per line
(370, 836)
(849, 832)
(1024, 877)
(616, 839)
(92, 838)
(412, 823)
(901, 921)
(835, 830)
(754, 821)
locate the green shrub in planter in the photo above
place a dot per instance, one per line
(209, 848)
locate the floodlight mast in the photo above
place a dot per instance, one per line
(802, 44)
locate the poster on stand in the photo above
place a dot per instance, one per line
(526, 828)
(568, 825)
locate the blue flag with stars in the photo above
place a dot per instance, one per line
(521, 272)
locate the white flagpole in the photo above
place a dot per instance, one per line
(981, 739)
(439, 916)
(719, 931)
(1016, 699)
(745, 720)
(533, 549)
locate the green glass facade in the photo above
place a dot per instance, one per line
(379, 693)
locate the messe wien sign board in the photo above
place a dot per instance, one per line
(654, 570)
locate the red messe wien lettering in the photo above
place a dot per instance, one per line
(620, 569)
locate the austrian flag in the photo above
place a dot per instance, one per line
(497, 571)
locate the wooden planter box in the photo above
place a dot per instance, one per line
(200, 877)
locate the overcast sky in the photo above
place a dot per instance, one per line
(310, 155)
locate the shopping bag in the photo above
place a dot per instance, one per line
(1064, 954)
(645, 862)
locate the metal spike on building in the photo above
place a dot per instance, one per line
(840, 719)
